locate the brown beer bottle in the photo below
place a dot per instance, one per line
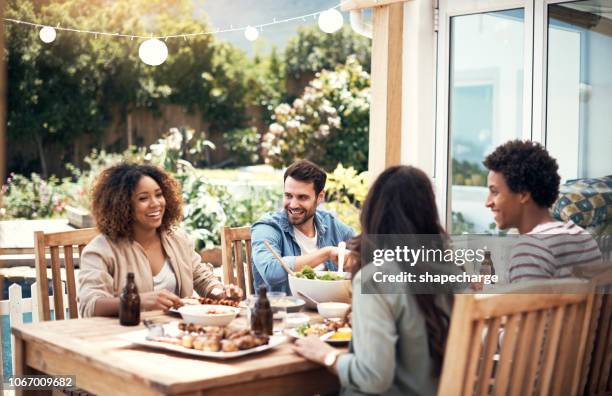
(129, 303)
(261, 317)
(486, 267)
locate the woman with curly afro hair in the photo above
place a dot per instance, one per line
(137, 210)
(523, 184)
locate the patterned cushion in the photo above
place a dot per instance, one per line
(587, 202)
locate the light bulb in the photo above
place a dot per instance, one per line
(153, 52)
(331, 20)
(47, 34)
(251, 33)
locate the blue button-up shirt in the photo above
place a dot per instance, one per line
(276, 229)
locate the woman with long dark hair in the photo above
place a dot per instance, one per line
(398, 339)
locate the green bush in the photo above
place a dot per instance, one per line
(33, 198)
(467, 173)
(345, 190)
(460, 225)
(208, 208)
(243, 146)
(329, 124)
(313, 50)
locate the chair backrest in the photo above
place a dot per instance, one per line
(235, 241)
(56, 241)
(517, 344)
(597, 368)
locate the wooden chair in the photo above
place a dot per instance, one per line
(543, 337)
(597, 378)
(236, 270)
(55, 241)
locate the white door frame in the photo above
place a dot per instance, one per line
(540, 67)
(447, 10)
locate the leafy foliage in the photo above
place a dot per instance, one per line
(33, 198)
(244, 145)
(66, 89)
(328, 124)
(345, 190)
(467, 173)
(313, 50)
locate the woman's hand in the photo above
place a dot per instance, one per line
(161, 299)
(231, 292)
(312, 348)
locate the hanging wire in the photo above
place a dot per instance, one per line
(184, 35)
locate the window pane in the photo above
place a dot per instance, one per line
(579, 97)
(486, 98)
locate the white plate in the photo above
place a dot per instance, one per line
(325, 337)
(139, 337)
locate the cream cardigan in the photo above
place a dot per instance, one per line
(104, 266)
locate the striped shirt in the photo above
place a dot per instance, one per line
(552, 250)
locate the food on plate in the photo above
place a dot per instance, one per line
(187, 340)
(216, 312)
(316, 329)
(283, 302)
(306, 272)
(221, 301)
(228, 346)
(335, 324)
(341, 336)
(213, 338)
(309, 273)
(330, 276)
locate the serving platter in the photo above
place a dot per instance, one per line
(139, 337)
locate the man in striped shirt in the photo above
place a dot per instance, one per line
(523, 184)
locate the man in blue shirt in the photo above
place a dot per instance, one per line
(300, 233)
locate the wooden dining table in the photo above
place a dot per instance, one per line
(104, 364)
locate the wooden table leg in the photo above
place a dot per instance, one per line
(21, 368)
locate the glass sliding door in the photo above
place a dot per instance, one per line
(485, 107)
(508, 69)
(579, 87)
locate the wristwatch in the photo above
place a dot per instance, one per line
(330, 359)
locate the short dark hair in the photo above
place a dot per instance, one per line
(306, 171)
(112, 196)
(527, 167)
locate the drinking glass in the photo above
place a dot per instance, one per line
(279, 310)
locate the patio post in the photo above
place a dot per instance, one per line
(386, 82)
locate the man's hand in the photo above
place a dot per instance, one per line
(333, 253)
(161, 299)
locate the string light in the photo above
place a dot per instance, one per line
(47, 34)
(251, 33)
(154, 50)
(330, 21)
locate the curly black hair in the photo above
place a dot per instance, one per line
(112, 194)
(527, 167)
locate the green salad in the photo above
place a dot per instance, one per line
(309, 273)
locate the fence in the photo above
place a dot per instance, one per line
(16, 306)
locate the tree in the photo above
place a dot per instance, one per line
(53, 90)
(328, 124)
(61, 91)
(313, 50)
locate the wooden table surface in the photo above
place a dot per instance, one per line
(104, 364)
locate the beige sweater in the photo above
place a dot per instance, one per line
(105, 264)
